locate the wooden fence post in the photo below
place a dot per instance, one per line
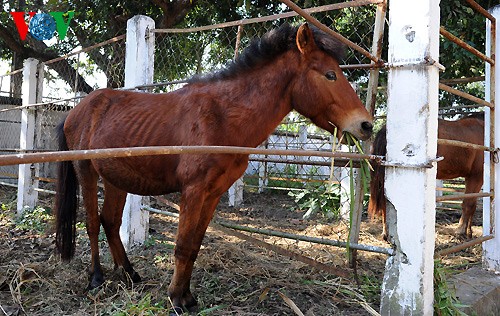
(345, 190)
(371, 100)
(491, 218)
(28, 173)
(139, 68)
(407, 287)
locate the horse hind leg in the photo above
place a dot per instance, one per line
(111, 219)
(88, 181)
(464, 230)
(472, 185)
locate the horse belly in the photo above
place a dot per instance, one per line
(138, 175)
(457, 162)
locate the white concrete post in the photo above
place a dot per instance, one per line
(27, 182)
(439, 185)
(139, 67)
(345, 191)
(407, 287)
(302, 141)
(335, 172)
(235, 193)
(491, 219)
(263, 180)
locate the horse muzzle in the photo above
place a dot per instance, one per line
(362, 130)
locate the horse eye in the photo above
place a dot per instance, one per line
(330, 75)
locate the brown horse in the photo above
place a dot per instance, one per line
(289, 68)
(457, 162)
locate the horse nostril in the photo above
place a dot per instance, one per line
(367, 126)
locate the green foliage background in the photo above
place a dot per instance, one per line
(179, 56)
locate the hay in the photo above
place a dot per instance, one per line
(231, 277)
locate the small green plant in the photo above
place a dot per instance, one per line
(364, 172)
(318, 198)
(211, 310)
(143, 307)
(445, 301)
(150, 242)
(370, 287)
(34, 219)
(161, 259)
(80, 225)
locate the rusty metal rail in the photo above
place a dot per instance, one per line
(54, 156)
(463, 196)
(465, 46)
(329, 7)
(462, 246)
(481, 10)
(467, 96)
(267, 232)
(457, 143)
(331, 32)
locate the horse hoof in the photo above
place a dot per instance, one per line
(193, 308)
(189, 302)
(385, 237)
(95, 283)
(131, 276)
(176, 311)
(462, 236)
(135, 277)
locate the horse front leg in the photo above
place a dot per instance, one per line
(194, 217)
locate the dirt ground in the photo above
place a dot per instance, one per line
(231, 277)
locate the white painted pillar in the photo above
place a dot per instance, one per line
(139, 67)
(235, 193)
(439, 185)
(302, 141)
(27, 183)
(263, 180)
(407, 287)
(345, 190)
(491, 220)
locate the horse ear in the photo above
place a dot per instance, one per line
(305, 39)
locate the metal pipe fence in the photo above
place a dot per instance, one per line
(295, 131)
(491, 159)
(10, 120)
(63, 81)
(296, 153)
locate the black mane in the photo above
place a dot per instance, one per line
(269, 46)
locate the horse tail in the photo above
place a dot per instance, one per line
(66, 202)
(377, 203)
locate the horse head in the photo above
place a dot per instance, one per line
(321, 92)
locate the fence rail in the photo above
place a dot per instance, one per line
(370, 65)
(165, 150)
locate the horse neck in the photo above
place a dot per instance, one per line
(259, 100)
